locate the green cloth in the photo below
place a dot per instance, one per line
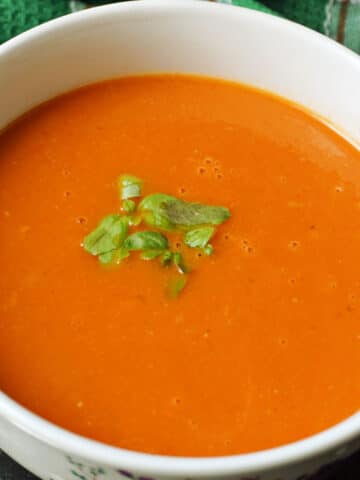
(338, 19)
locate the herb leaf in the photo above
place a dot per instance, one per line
(176, 286)
(114, 256)
(107, 236)
(129, 206)
(189, 214)
(146, 240)
(130, 187)
(199, 237)
(135, 220)
(153, 214)
(179, 262)
(167, 212)
(151, 254)
(107, 257)
(166, 259)
(111, 242)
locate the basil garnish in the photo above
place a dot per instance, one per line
(188, 214)
(130, 187)
(199, 237)
(108, 235)
(146, 240)
(196, 222)
(151, 208)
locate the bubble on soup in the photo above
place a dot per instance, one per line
(247, 247)
(294, 245)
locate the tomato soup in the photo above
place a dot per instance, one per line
(261, 347)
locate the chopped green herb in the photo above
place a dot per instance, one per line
(146, 240)
(167, 212)
(135, 220)
(108, 235)
(114, 256)
(179, 262)
(151, 254)
(107, 257)
(129, 206)
(189, 214)
(119, 255)
(130, 187)
(166, 258)
(111, 242)
(150, 206)
(199, 237)
(176, 286)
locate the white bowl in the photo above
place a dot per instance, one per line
(174, 36)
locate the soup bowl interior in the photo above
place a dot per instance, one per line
(139, 38)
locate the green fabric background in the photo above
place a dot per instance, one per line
(338, 19)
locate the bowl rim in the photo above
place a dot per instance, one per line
(70, 443)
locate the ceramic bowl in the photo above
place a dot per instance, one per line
(189, 37)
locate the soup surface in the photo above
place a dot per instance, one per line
(261, 348)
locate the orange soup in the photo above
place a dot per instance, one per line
(262, 345)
